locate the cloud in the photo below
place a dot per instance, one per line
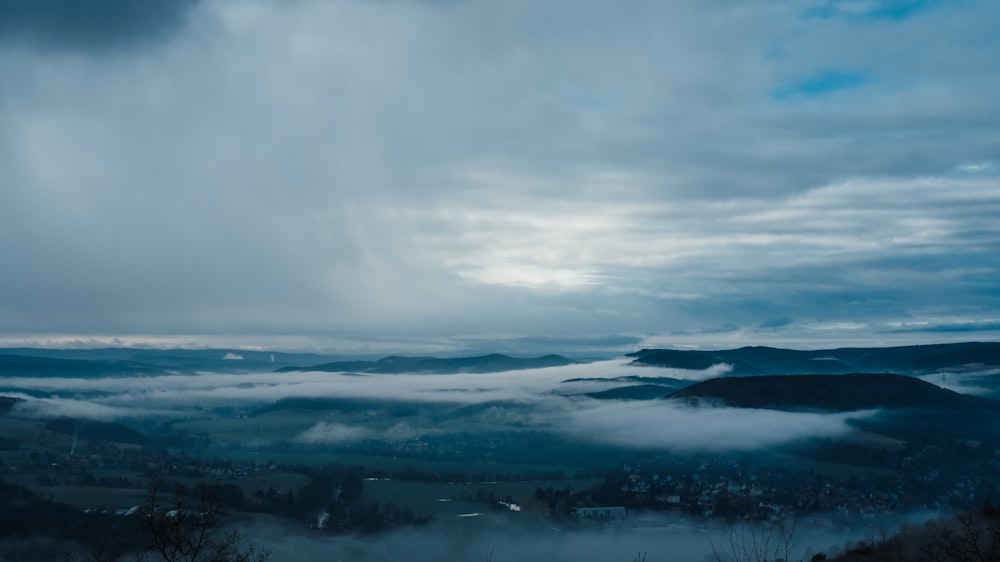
(326, 433)
(957, 327)
(668, 425)
(965, 382)
(334, 433)
(354, 169)
(55, 407)
(716, 370)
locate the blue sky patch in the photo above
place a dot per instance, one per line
(896, 10)
(820, 84)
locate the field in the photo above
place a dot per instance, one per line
(262, 445)
(431, 498)
(831, 469)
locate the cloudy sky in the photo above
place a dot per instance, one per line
(332, 173)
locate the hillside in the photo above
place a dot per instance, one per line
(397, 408)
(28, 366)
(833, 393)
(633, 392)
(395, 364)
(7, 404)
(910, 360)
(96, 430)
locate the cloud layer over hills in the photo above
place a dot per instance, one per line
(535, 399)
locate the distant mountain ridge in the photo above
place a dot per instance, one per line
(909, 360)
(395, 364)
(121, 361)
(138, 362)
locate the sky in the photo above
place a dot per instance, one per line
(449, 175)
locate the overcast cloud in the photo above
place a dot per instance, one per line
(706, 173)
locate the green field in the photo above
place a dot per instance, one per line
(431, 498)
(94, 497)
(832, 469)
(18, 428)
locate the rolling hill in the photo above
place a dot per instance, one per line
(632, 392)
(903, 407)
(833, 393)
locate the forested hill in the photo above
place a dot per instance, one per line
(833, 393)
(492, 363)
(21, 365)
(913, 360)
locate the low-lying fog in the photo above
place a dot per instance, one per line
(966, 382)
(549, 399)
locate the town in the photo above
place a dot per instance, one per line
(727, 487)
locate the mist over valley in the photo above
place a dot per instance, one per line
(507, 452)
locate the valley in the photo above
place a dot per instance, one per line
(345, 453)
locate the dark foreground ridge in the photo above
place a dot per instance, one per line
(833, 393)
(907, 360)
(492, 363)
